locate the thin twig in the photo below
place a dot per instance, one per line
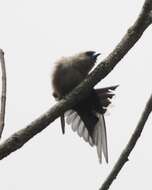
(132, 142)
(18, 139)
(3, 93)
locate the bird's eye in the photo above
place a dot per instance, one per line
(90, 53)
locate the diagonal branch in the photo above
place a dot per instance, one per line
(18, 139)
(132, 142)
(3, 93)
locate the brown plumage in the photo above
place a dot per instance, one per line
(68, 73)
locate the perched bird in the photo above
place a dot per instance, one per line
(87, 117)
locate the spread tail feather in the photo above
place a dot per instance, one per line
(105, 95)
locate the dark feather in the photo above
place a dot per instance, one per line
(96, 102)
(62, 123)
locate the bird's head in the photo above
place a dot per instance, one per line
(91, 55)
(85, 60)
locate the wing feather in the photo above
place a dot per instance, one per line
(99, 137)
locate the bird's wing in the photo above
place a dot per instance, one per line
(99, 138)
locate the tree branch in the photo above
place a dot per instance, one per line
(3, 93)
(18, 139)
(132, 142)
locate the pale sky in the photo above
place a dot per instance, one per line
(35, 33)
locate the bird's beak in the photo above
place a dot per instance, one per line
(96, 55)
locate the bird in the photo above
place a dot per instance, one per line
(87, 116)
